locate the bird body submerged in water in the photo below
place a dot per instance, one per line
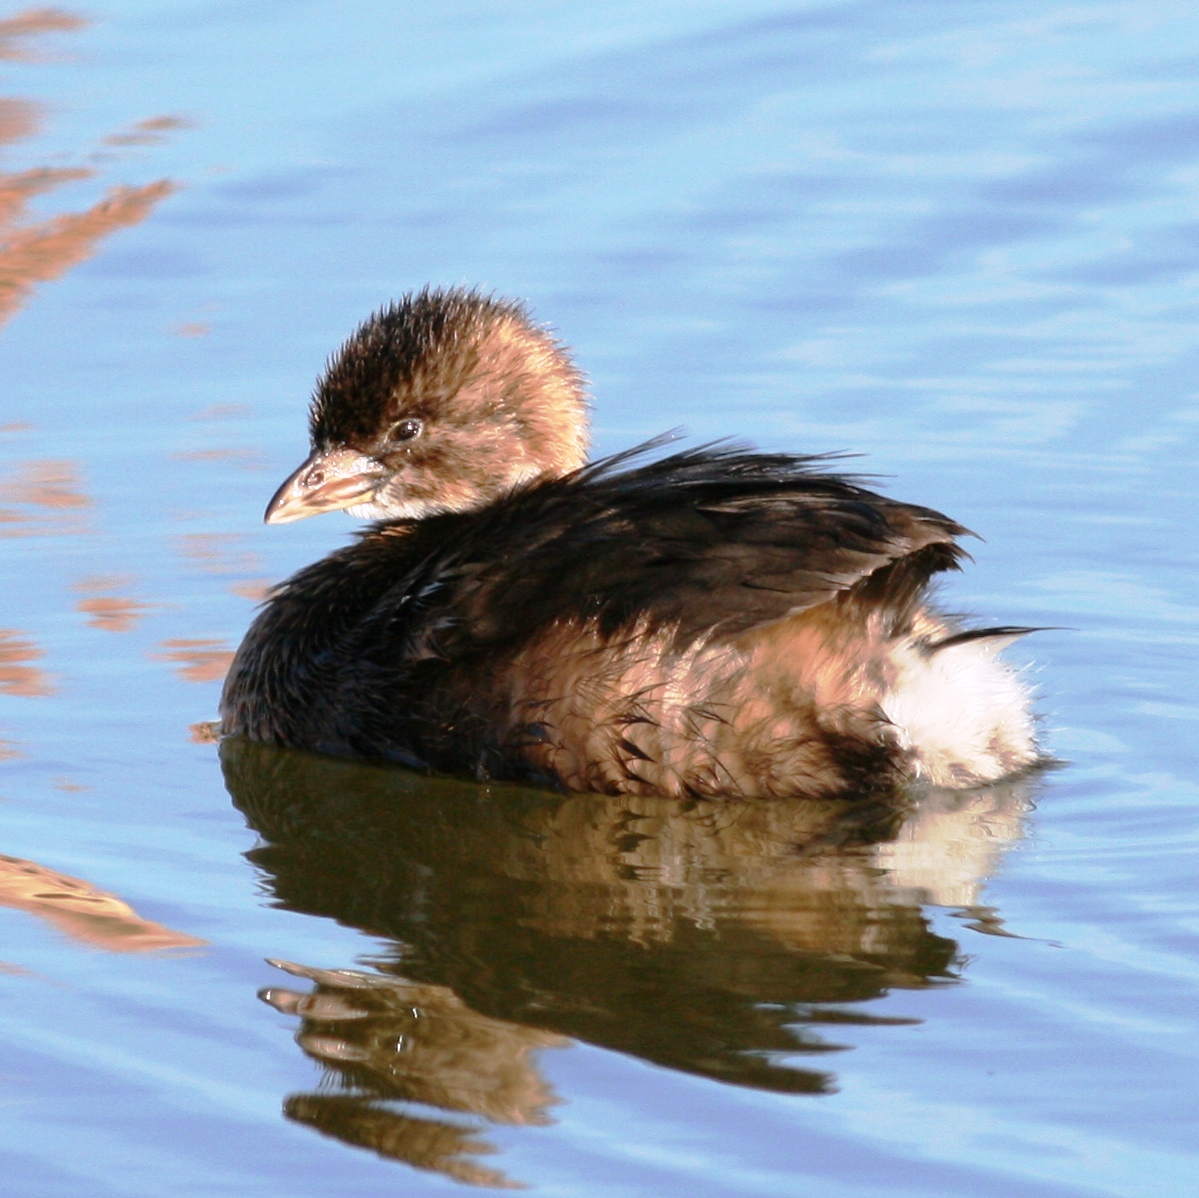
(717, 622)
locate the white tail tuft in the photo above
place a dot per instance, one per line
(961, 711)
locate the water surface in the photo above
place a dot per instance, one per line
(959, 239)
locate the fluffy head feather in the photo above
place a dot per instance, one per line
(458, 396)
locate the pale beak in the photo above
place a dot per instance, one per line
(334, 478)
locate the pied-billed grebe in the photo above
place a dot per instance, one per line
(715, 622)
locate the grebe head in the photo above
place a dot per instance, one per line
(440, 402)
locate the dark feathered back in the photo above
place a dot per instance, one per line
(714, 540)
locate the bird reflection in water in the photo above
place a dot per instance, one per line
(726, 940)
(385, 1040)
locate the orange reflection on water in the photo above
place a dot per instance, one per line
(18, 188)
(81, 910)
(18, 118)
(222, 411)
(216, 552)
(199, 659)
(16, 677)
(254, 589)
(245, 459)
(14, 30)
(148, 132)
(49, 500)
(111, 613)
(45, 251)
(36, 252)
(52, 484)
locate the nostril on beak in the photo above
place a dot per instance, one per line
(315, 478)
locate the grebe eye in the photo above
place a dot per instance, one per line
(405, 430)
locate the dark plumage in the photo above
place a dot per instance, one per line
(715, 622)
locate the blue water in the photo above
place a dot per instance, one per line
(960, 239)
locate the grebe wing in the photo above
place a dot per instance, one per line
(715, 539)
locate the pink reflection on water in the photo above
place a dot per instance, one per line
(149, 132)
(43, 498)
(36, 251)
(14, 31)
(254, 589)
(222, 411)
(16, 676)
(83, 911)
(218, 552)
(109, 612)
(244, 459)
(199, 659)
